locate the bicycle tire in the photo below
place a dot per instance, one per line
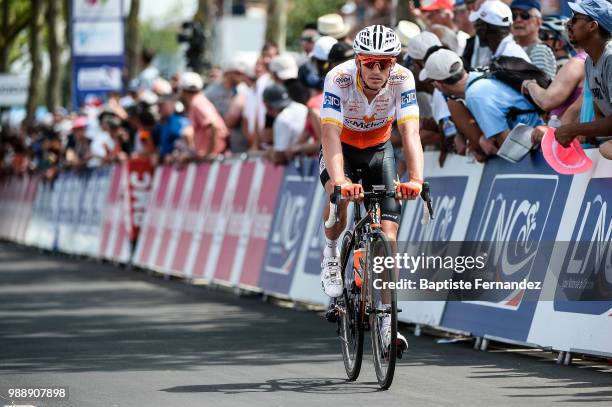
(380, 246)
(350, 325)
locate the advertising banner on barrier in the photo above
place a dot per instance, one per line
(520, 203)
(579, 276)
(167, 219)
(114, 244)
(150, 227)
(192, 212)
(290, 220)
(238, 226)
(201, 249)
(139, 180)
(218, 214)
(260, 226)
(454, 189)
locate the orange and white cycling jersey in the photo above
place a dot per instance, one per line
(366, 124)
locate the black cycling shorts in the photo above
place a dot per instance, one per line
(377, 165)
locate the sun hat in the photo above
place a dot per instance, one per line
(570, 160)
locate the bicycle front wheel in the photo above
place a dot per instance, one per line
(350, 326)
(383, 314)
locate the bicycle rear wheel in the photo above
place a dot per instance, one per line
(383, 304)
(350, 326)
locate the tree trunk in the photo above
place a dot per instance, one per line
(4, 51)
(10, 28)
(36, 26)
(206, 16)
(276, 25)
(132, 40)
(67, 84)
(55, 53)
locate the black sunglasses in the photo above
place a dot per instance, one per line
(576, 17)
(523, 14)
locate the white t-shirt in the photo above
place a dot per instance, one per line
(260, 85)
(289, 125)
(100, 141)
(439, 106)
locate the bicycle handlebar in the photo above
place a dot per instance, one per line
(336, 197)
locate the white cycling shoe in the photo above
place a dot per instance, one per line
(331, 277)
(402, 343)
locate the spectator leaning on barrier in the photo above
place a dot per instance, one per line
(492, 22)
(174, 126)
(527, 20)
(228, 96)
(493, 104)
(77, 148)
(590, 29)
(289, 120)
(209, 131)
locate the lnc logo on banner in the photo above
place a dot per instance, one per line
(510, 229)
(288, 232)
(585, 282)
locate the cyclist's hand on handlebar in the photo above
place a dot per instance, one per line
(408, 190)
(352, 192)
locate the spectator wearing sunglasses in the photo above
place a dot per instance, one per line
(493, 21)
(590, 29)
(526, 23)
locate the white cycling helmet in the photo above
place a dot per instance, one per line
(377, 40)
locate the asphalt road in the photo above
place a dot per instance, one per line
(123, 338)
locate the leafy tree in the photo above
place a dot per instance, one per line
(306, 11)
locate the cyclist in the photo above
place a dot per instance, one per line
(361, 99)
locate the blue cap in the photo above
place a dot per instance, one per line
(526, 4)
(598, 10)
(459, 3)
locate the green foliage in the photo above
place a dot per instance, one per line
(306, 11)
(162, 40)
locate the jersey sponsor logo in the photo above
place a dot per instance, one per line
(397, 77)
(343, 80)
(361, 124)
(331, 101)
(408, 98)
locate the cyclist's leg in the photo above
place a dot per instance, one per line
(335, 231)
(382, 170)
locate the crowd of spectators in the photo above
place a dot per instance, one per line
(269, 105)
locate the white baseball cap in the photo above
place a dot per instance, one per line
(322, 47)
(494, 12)
(191, 82)
(284, 66)
(419, 44)
(441, 65)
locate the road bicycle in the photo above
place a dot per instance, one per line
(360, 308)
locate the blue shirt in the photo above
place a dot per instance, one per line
(171, 131)
(490, 102)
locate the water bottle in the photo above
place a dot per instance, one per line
(554, 121)
(448, 128)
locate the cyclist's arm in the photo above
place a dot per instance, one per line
(407, 111)
(331, 127)
(413, 150)
(332, 153)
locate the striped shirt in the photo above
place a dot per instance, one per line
(543, 57)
